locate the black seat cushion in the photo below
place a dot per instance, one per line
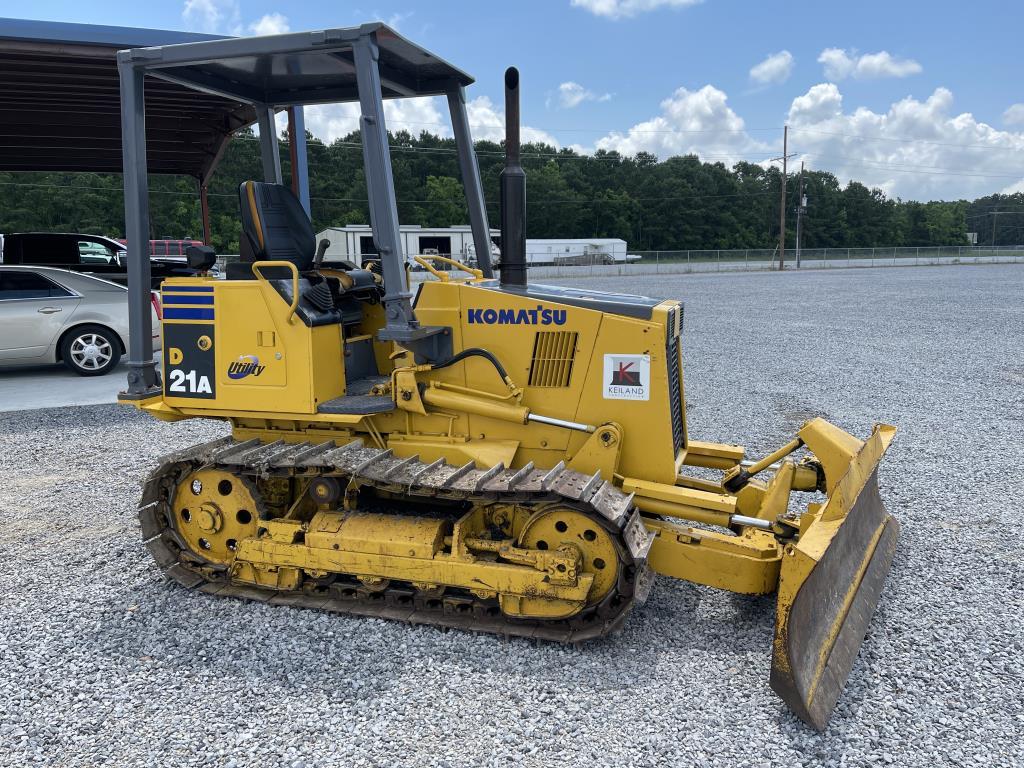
(275, 226)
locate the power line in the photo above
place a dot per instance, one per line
(669, 131)
(564, 155)
(909, 141)
(992, 213)
(938, 172)
(757, 158)
(910, 166)
(595, 200)
(593, 130)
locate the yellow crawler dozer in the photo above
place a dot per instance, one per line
(487, 454)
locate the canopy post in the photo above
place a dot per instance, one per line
(470, 170)
(143, 378)
(380, 186)
(298, 155)
(268, 144)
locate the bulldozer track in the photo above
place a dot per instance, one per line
(380, 469)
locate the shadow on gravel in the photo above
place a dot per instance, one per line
(73, 416)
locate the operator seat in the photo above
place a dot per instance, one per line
(275, 227)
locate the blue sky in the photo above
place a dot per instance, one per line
(915, 97)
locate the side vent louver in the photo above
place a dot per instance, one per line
(553, 355)
(675, 396)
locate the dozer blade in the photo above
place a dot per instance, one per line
(830, 583)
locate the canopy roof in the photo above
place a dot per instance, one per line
(302, 67)
(60, 103)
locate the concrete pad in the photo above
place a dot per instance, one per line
(54, 386)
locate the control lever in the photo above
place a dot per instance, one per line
(321, 249)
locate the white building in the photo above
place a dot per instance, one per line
(354, 241)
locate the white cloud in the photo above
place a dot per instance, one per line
(225, 17)
(916, 149)
(212, 15)
(572, 94)
(270, 24)
(698, 122)
(820, 103)
(333, 121)
(617, 9)
(840, 64)
(776, 68)
(1014, 115)
(488, 122)
(395, 20)
(883, 64)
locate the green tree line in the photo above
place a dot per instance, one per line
(674, 204)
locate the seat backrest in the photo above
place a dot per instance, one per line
(275, 226)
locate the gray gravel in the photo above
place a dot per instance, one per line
(103, 663)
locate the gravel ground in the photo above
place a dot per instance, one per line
(103, 662)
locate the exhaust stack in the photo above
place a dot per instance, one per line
(513, 191)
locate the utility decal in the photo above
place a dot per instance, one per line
(538, 316)
(246, 365)
(627, 377)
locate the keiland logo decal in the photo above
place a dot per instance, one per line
(627, 377)
(246, 365)
(538, 316)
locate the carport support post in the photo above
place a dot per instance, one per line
(470, 171)
(204, 210)
(143, 378)
(268, 144)
(380, 187)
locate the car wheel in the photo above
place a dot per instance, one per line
(90, 350)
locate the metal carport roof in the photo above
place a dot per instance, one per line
(60, 103)
(302, 67)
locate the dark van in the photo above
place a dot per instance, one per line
(91, 254)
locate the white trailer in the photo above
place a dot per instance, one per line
(353, 242)
(576, 251)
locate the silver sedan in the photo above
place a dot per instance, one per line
(52, 315)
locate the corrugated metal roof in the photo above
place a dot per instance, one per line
(60, 98)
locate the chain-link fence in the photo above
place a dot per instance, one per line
(674, 262)
(752, 259)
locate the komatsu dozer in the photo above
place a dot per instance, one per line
(480, 453)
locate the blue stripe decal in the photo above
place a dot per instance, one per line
(180, 313)
(170, 298)
(190, 288)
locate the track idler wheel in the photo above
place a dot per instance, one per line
(555, 527)
(213, 510)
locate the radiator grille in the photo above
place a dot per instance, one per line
(675, 321)
(553, 354)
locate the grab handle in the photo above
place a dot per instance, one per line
(257, 266)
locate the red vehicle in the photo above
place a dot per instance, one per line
(168, 247)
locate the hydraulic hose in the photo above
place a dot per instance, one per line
(467, 402)
(474, 352)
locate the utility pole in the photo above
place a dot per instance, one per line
(995, 218)
(782, 202)
(801, 208)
